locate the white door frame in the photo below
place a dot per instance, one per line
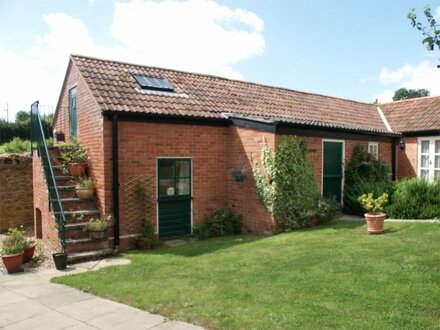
(431, 159)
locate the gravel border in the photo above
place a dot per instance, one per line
(42, 257)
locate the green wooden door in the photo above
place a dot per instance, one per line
(333, 170)
(174, 197)
(72, 113)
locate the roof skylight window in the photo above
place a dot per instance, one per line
(152, 83)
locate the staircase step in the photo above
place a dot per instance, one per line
(83, 244)
(67, 187)
(89, 255)
(75, 226)
(65, 177)
(76, 204)
(79, 212)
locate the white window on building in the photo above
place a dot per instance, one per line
(429, 158)
(373, 149)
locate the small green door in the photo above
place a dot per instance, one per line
(333, 170)
(72, 112)
(174, 197)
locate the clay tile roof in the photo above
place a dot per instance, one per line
(413, 115)
(207, 96)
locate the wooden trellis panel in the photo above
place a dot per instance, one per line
(136, 193)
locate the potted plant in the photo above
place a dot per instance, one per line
(29, 250)
(75, 156)
(60, 259)
(12, 250)
(146, 239)
(84, 188)
(375, 217)
(97, 227)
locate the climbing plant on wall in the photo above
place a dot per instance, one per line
(285, 183)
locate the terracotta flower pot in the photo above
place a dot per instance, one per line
(13, 262)
(375, 222)
(78, 169)
(28, 254)
(101, 234)
(85, 193)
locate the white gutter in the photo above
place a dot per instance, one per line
(384, 119)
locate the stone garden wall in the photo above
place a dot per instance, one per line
(16, 192)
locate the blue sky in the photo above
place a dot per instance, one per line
(359, 50)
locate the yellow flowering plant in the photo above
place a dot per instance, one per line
(371, 204)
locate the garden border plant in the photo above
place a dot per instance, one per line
(286, 185)
(364, 174)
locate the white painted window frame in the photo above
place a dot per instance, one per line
(431, 156)
(374, 144)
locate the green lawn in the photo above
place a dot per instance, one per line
(335, 276)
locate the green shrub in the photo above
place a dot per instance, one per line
(415, 199)
(222, 222)
(286, 184)
(21, 127)
(73, 152)
(371, 204)
(328, 209)
(364, 175)
(19, 146)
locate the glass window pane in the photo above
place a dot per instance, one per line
(437, 146)
(437, 162)
(182, 168)
(437, 175)
(424, 174)
(425, 147)
(425, 161)
(166, 187)
(166, 169)
(182, 186)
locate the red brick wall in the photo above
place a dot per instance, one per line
(407, 159)
(140, 144)
(314, 154)
(90, 133)
(41, 204)
(243, 144)
(16, 195)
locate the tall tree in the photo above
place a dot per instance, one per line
(405, 94)
(431, 31)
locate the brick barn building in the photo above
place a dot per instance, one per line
(183, 135)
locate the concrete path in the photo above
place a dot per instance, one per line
(30, 301)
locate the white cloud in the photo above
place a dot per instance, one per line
(194, 35)
(423, 75)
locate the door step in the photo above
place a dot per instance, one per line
(88, 255)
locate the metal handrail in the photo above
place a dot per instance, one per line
(37, 137)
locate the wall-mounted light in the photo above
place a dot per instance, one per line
(303, 145)
(402, 144)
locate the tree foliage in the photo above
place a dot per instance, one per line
(430, 31)
(21, 127)
(286, 184)
(405, 94)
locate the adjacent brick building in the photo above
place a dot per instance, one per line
(183, 135)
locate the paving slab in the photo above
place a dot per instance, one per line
(176, 325)
(30, 301)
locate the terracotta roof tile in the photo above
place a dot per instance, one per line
(420, 114)
(207, 96)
